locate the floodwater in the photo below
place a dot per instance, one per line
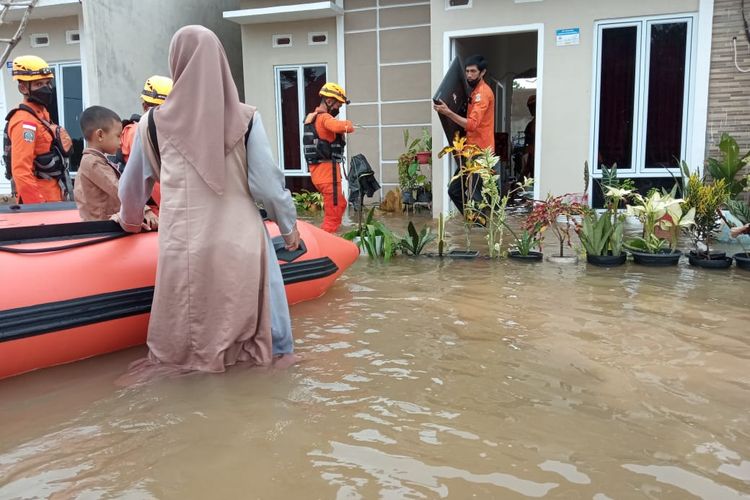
(425, 379)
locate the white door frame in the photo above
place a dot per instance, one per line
(449, 38)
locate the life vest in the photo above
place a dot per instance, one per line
(50, 165)
(119, 158)
(318, 150)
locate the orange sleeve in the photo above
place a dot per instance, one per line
(22, 162)
(477, 110)
(126, 140)
(337, 126)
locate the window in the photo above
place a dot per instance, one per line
(282, 41)
(297, 90)
(642, 95)
(72, 37)
(457, 4)
(40, 40)
(320, 38)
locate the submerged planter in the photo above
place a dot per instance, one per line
(565, 259)
(712, 262)
(463, 254)
(743, 260)
(663, 258)
(607, 260)
(530, 257)
(713, 254)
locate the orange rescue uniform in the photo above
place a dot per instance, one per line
(30, 138)
(322, 174)
(480, 117)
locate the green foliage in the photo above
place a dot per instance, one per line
(410, 175)
(415, 242)
(441, 234)
(706, 198)
(375, 238)
(739, 210)
(729, 165)
(595, 233)
(648, 244)
(528, 241)
(306, 201)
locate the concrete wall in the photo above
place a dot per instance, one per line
(565, 105)
(729, 89)
(260, 58)
(57, 51)
(126, 41)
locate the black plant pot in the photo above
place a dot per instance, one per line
(607, 260)
(407, 198)
(424, 196)
(463, 254)
(743, 260)
(663, 258)
(714, 254)
(531, 257)
(712, 263)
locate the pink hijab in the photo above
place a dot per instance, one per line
(203, 117)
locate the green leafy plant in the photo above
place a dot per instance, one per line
(307, 201)
(374, 237)
(463, 153)
(705, 198)
(729, 165)
(415, 242)
(410, 176)
(661, 210)
(527, 241)
(441, 234)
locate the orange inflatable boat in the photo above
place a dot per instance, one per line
(74, 290)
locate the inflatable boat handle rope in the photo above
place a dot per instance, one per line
(21, 235)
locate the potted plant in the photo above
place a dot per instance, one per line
(546, 214)
(741, 213)
(602, 235)
(657, 210)
(307, 201)
(729, 166)
(415, 242)
(424, 155)
(373, 238)
(525, 243)
(705, 199)
(412, 182)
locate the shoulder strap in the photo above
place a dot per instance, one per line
(249, 128)
(152, 134)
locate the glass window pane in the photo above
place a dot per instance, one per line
(72, 90)
(617, 96)
(315, 77)
(666, 93)
(290, 119)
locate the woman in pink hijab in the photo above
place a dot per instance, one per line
(219, 297)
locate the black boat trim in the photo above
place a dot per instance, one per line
(50, 317)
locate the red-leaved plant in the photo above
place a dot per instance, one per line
(545, 214)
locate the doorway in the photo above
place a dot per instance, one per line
(514, 57)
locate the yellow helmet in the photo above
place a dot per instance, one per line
(31, 68)
(156, 89)
(334, 90)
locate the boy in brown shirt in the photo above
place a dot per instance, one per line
(97, 179)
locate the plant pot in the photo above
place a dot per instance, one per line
(711, 263)
(713, 254)
(531, 257)
(663, 258)
(424, 196)
(565, 259)
(463, 254)
(743, 260)
(407, 197)
(607, 260)
(424, 157)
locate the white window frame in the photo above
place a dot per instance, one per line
(448, 5)
(312, 34)
(36, 45)
(302, 113)
(640, 107)
(275, 41)
(69, 37)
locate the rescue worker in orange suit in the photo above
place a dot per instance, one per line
(31, 139)
(324, 144)
(479, 125)
(155, 91)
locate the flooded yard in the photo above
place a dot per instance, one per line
(425, 378)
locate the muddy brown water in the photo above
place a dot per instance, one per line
(425, 378)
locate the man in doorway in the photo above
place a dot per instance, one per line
(529, 141)
(479, 125)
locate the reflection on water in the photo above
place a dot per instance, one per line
(424, 379)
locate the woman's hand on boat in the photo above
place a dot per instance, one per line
(151, 220)
(130, 228)
(292, 239)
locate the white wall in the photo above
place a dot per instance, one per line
(126, 41)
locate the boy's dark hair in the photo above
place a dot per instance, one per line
(97, 117)
(476, 60)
